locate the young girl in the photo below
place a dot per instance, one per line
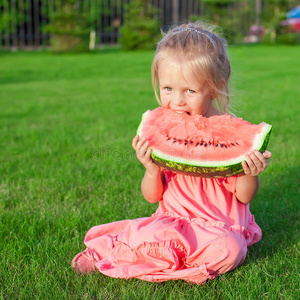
(203, 226)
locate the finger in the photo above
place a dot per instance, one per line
(249, 161)
(246, 168)
(252, 168)
(258, 154)
(140, 143)
(144, 147)
(258, 158)
(267, 154)
(134, 141)
(148, 153)
(263, 160)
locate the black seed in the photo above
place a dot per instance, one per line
(217, 145)
(179, 141)
(186, 142)
(232, 144)
(197, 144)
(237, 143)
(191, 142)
(205, 145)
(201, 144)
(222, 145)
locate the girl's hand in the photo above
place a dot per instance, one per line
(256, 162)
(143, 153)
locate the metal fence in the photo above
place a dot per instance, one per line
(22, 22)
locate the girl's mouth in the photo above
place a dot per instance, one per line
(182, 112)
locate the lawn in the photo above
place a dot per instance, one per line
(66, 162)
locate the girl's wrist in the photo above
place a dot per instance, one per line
(245, 175)
(153, 173)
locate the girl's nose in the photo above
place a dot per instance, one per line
(178, 99)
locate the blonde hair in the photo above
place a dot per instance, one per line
(205, 52)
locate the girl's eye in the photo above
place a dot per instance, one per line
(190, 91)
(168, 89)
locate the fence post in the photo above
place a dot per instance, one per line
(175, 14)
(257, 18)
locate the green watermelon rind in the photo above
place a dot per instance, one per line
(204, 171)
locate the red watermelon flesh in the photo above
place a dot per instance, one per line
(196, 145)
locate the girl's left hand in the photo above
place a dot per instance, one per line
(256, 162)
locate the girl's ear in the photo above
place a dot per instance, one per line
(215, 93)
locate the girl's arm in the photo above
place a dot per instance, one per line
(152, 186)
(152, 183)
(247, 185)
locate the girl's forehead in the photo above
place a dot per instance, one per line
(180, 61)
(170, 69)
(174, 59)
(179, 64)
(173, 64)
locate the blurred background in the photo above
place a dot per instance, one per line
(83, 25)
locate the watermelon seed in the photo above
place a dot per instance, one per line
(202, 143)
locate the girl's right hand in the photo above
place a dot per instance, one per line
(143, 153)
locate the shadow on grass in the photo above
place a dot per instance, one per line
(277, 214)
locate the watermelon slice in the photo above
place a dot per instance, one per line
(211, 147)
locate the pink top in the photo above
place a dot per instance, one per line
(210, 201)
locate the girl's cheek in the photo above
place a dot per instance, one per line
(164, 101)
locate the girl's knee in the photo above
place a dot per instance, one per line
(228, 252)
(235, 251)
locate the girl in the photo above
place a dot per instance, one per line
(203, 226)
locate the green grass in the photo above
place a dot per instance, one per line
(66, 162)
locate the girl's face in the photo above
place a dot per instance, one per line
(181, 90)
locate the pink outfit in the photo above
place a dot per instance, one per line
(200, 230)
